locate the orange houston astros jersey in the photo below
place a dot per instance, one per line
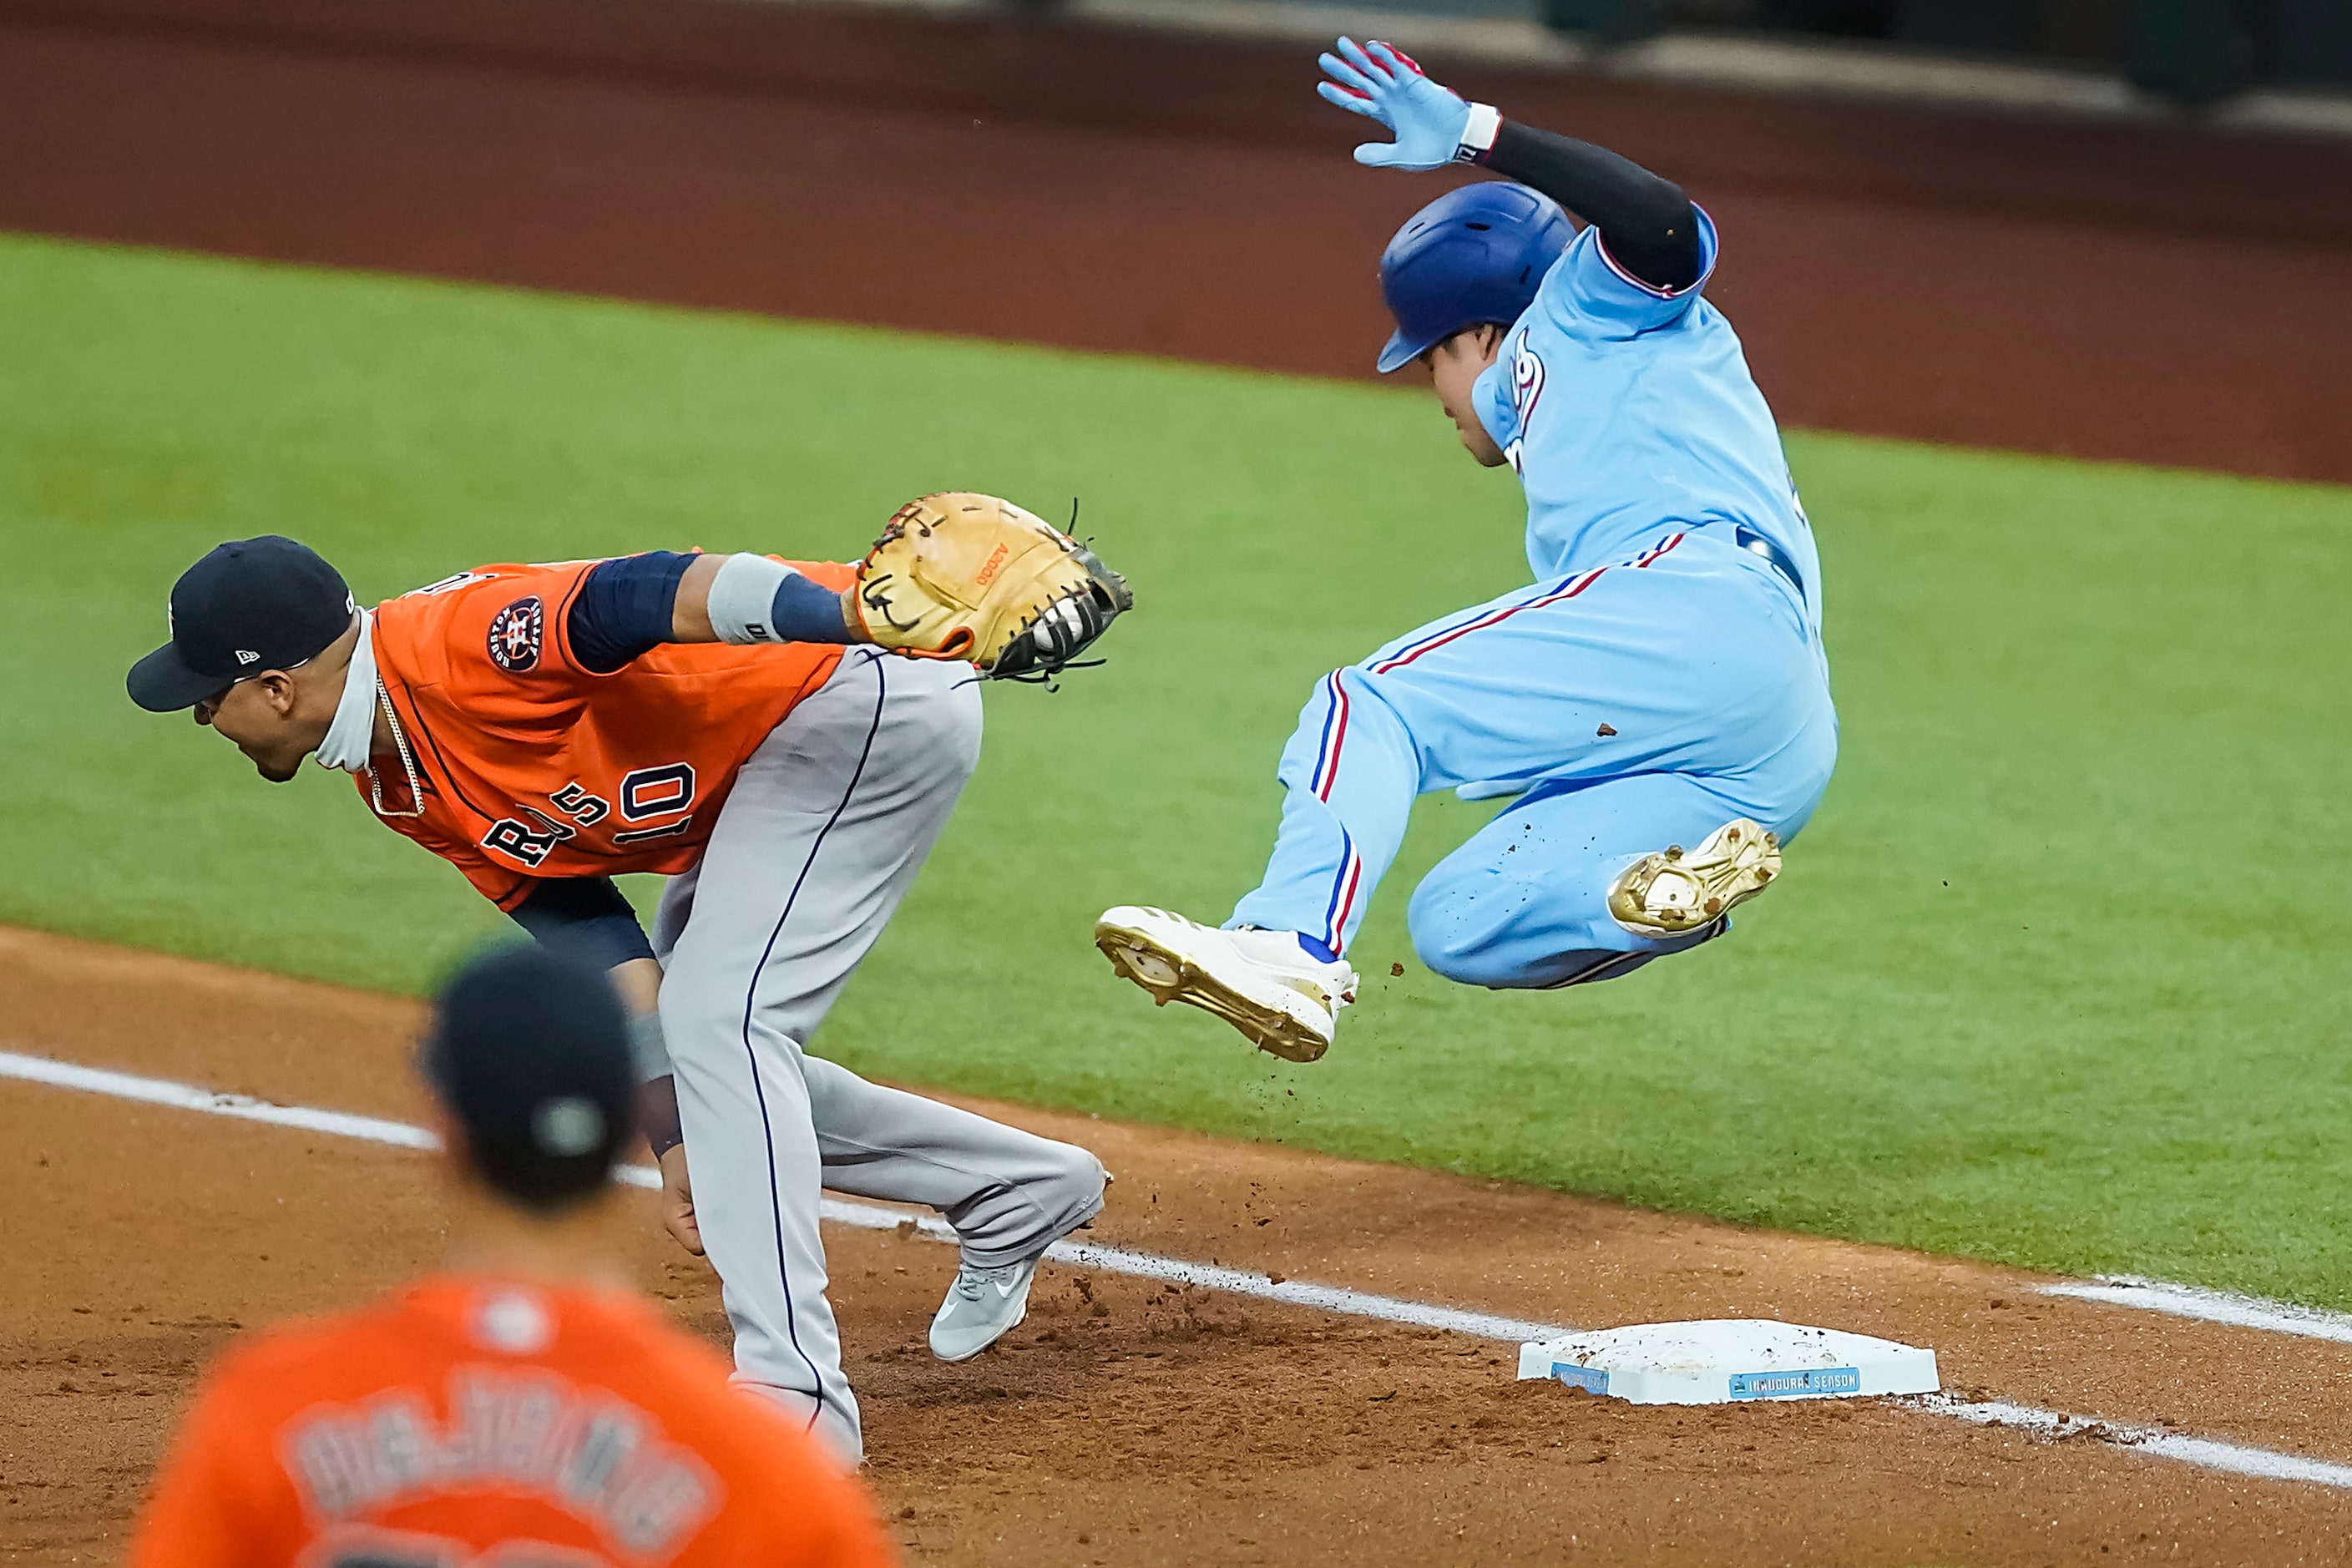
(534, 767)
(468, 1422)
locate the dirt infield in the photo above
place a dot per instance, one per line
(1127, 1422)
(2160, 294)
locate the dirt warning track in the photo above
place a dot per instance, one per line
(1131, 1421)
(2165, 295)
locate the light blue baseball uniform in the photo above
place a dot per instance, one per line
(1662, 675)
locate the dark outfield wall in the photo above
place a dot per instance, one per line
(2165, 295)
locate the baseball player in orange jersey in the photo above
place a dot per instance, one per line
(524, 1407)
(721, 719)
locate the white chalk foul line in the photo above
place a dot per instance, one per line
(2207, 1306)
(2206, 1453)
(187, 1097)
(841, 1211)
(1211, 1276)
(2231, 1458)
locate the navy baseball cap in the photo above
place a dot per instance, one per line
(249, 605)
(529, 1053)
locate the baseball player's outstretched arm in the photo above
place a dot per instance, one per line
(955, 575)
(632, 604)
(1648, 223)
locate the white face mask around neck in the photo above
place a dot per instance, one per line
(352, 735)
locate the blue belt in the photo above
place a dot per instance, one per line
(1749, 538)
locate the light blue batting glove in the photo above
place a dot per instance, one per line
(1382, 82)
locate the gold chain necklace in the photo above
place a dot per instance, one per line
(407, 762)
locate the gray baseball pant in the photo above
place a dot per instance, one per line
(822, 835)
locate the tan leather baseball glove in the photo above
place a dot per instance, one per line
(960, 575)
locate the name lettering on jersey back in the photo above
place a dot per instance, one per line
(586, 1452)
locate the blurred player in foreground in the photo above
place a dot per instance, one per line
(747, 727)
(1658, 699)
(524, 1406)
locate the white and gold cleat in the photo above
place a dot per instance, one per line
(1678, 891)
(1261, 981)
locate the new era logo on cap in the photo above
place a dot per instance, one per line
(246, 656)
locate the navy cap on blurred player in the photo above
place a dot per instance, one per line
(529, 1056)
(522, 1403)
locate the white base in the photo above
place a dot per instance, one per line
(1724, 1360)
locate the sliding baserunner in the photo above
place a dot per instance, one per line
(1657, 699)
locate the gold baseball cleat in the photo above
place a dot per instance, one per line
(1261, 981)
(1677, 891)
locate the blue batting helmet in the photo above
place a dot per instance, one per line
(1473, 255)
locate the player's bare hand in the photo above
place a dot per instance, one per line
(678, 1201)
(1382, 82)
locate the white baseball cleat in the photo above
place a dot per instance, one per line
(1261, 981)
(1677, 891)
(983, 1306)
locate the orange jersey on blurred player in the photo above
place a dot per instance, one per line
(465, 1420)
(534, 766)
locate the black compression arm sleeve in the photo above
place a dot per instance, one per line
(1648, 223)
(586, 917)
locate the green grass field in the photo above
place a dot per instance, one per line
(2057, 976)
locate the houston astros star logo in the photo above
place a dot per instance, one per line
(515, 635)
